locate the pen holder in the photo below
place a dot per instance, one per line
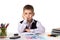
(3, 32)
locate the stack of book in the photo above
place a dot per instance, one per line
(56, 31)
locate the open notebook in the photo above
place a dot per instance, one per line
(35, 37)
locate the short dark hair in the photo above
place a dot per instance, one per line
(29, 7)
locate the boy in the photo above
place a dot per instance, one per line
(29, 24)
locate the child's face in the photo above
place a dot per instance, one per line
(28, 14)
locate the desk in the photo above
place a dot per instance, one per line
(23, 37)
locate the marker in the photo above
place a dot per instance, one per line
(7, 25)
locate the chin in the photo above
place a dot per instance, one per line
(29, 19)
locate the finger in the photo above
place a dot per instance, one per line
(23, 16)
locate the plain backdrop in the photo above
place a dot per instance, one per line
(46, 11)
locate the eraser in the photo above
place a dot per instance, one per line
(15, 37)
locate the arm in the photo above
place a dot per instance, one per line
(40, 29)
(22, 26)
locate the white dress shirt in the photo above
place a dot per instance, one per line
(40, 29)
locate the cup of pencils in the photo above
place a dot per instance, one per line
(3, 28)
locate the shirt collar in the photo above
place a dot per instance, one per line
(32, 21)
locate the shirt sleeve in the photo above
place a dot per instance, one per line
(40, 29)
(22, 26)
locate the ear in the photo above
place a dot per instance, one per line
(33, 14)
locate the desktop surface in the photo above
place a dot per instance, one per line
(31, 36)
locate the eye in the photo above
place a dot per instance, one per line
(30, 13)
(25, 13)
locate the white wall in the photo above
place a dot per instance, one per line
(46, 11)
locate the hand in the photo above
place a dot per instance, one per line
(28, 30)
(24, 17)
